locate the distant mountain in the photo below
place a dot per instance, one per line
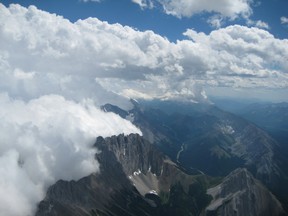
(268, 116)
(137, 179)
(241, 194)
(272, 117)
(204, 139)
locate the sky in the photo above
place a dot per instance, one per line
(61, 60)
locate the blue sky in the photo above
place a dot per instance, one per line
(165, 49)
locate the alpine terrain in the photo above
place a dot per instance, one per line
(193, 159)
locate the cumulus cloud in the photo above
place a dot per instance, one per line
(45, 54)
(235, 56)
(239, 56)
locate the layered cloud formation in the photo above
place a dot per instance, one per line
(54, 74)
(46, 54)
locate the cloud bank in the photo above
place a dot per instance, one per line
(45, 54)
(44, 140)
(54, 74)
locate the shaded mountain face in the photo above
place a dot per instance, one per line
(134, 179)
(241, 194)
(271, 117)
(267, 115)
(204, 139)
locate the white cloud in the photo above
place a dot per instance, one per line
(261, 24)
(215, 21)
(188, 8)
(239, 56)
(144, 3)
(258, 23)
(284, 20)
(44, 140)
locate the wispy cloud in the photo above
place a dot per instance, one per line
(144, 3)
(215, 21)
(258, 23)
(261, 24)
(284, 20)
(98, 1)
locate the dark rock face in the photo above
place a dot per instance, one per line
(149, 169)
(241, 194)
(133, 153)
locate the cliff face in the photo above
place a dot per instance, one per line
(147, 168)
(241, 194)
(133, 153)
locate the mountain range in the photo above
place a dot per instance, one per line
(193, 159)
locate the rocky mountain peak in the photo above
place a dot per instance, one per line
(134, 153)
